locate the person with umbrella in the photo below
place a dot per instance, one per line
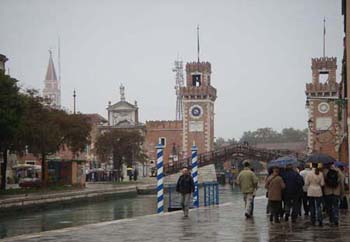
(292, 192)
(304, 171)
(275, 185)
(315, 181)
(343, 206)
(333, 191)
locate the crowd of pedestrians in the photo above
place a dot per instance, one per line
(316, 190)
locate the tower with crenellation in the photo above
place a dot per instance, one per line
(324, 108)
(198, 108)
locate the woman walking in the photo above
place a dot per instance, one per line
(275, 185)
(315, 182)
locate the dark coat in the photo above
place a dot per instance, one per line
(294, 184)
(185, 184)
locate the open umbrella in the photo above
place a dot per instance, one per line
(340, 164)
(282, 162)
(320, 158)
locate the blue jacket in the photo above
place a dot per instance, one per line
(294, 183)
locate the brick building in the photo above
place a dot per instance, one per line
(197, 124)
(325, 111)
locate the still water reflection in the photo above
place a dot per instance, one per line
(87, 213)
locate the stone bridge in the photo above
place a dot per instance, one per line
(231, 152)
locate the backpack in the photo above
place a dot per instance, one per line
(332, 178)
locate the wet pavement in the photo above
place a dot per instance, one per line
(220, 223)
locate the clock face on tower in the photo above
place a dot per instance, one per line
(196, 111)
(323, 107)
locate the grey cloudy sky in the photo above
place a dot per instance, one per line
(260, 51)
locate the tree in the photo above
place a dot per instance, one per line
(294, 135)
(11, 112)
(76, 131)
(46, 130)
(219, 142)
(268, 135)
(248, 136)
(124, 146)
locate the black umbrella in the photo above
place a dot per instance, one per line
(320, 158)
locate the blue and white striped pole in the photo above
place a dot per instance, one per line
(160, 185)
(195, 176)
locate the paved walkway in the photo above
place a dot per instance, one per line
(222, 223)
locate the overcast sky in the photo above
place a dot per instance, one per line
(260, 53)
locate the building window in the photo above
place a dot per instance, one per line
(162, 141)
(323, 77)
(196, 80)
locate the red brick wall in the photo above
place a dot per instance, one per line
(170, 130)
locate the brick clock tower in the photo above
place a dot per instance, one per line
(198, 97)
(323, 109)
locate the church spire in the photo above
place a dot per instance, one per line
(51, 73)
(52, 88)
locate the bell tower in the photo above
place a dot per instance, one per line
(198, 97)
(324, 121)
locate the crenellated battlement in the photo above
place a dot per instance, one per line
(200, 67)
(203, 92)
(322, 87)
(164, 124)
(324, 63)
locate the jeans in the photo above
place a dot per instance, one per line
(185, 202)
(252, 205)
(292, 204)
(306, 205)
(332, 207)
(315, 209)
(248, 203)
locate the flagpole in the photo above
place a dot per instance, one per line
(324, 37)
(198, 43)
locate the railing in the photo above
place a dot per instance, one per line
(210, 196)
(211, 193)
(174, 201)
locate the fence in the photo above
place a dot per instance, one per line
(210, 191)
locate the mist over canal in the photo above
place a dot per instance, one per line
(81, 213)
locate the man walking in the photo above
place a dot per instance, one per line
(292, 193)
(333, 191)
(248, 183)
(185, 186)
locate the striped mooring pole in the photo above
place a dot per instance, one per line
(160, 185)
(195, 176)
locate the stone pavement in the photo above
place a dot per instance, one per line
(220, 223)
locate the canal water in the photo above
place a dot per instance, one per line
(90, 212)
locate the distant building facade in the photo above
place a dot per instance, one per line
(123, 114)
